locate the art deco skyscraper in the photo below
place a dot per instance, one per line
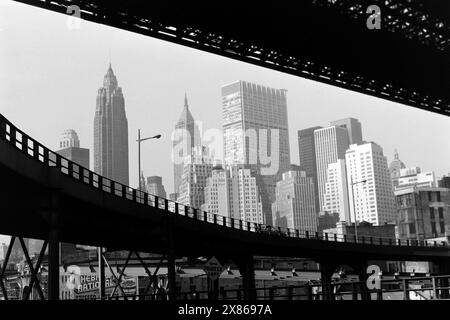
(111, 131)
(186, 137)
(255, 131)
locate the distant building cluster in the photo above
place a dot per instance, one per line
(342, 179)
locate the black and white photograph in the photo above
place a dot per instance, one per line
(222, 158)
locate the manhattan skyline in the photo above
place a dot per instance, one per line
(61, 79)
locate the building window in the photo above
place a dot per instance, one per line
(429, 196)
(431, 213)
(433, 229)
(438, 196)
(441, 213)
(412, 228)
(442, 225)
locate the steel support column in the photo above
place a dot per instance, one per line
(171, 275)
(53, 247)
(247, 269)
(444, 269)
(101, 273)
(360, 268)
(327, 268)
(53, 265)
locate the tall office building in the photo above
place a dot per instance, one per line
(394, 169)
(353, 127)
(197, 169)
(217, 195)
(336, 191)
(186, 137)
(245, 201)
(374, 200)
(255, 129)
(70, 148)
(111, 131)
(233, 192)
(155, 186)
(294, 207)
(331, 144)
(307, 156)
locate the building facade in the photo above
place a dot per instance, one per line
(111, 131)
(331, 144)
(294, 207)
(423, 213)
(444, 182)
(217, 197)
(307, 156)
(155, 186)
(336, 191)
(245, 200)
(196, 170)
(410, 177)
(255, 131)
(327, 221)
(185, 137)
(70, 148)
(371, 196)
(353, 127)
(394, 168)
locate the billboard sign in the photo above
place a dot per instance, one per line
(85, 286)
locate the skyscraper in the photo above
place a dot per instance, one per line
(70, 148)
(331, 144)
(294, 205)
(255, 129)
(307, 156)
(244, 197)
(336, 191)
(374, 200)
(234, 193)
(111, 131)
(353, 127)
(155, 186)
(186, 137)
(217, 195)
(197, 169)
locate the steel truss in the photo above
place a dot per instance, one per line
(405, 17)
(34, 283)
(411, 23)
(153, 279)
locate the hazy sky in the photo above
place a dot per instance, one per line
(49, 76)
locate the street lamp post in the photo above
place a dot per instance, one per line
(353, 200)
(139, 140)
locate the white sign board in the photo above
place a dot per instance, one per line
(213, 268)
